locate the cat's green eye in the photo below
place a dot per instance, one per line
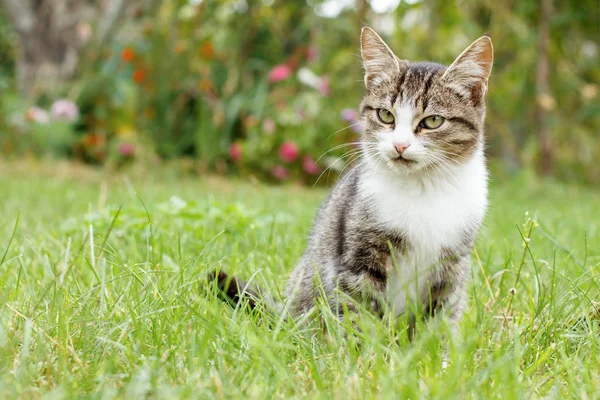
(432, 122)
(385, 116)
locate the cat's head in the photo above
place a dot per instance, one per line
(419, 115)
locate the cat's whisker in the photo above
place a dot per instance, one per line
(450, 163)
(340, 130)
(438, 166)
(359, 166)
(352, 155)
(350, 163)
(336, 148)
(361, 150)
(450, 154)
(349, 154)
(320, 175)
(443, 163)
(446, 169)
(381, 159)
(444, 157)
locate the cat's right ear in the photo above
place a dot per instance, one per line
(379, 61)
(469, 73)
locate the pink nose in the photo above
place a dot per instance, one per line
(401, 147)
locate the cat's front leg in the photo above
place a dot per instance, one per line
(447, 294)
(354, 294)
(447, 297)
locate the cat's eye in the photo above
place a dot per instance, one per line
(432, 122)
(385, 116)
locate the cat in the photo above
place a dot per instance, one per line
(397, 231)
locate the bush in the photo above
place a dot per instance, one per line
(227, 84)
(176, 89)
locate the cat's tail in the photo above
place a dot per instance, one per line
(235, 291)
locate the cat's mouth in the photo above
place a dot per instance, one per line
(404, 161)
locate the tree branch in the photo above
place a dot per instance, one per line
(113, 12)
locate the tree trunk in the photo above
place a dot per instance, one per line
(545, 102)
(51, 35)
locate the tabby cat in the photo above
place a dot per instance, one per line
(397, 231)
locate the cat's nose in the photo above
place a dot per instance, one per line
(401, 147)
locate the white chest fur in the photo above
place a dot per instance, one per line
(431, 213)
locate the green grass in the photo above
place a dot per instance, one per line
(104, 296)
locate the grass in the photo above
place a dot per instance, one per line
(104, 295)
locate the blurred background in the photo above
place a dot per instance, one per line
(265, 88)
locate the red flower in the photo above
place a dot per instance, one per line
(127, 54)
(310, 166)
(279, 73)
(312, 53)
(280, 172)
(139, 75)
(126, 149)
(93, 139)
(288, 152)
(207, 50)
(235, 152)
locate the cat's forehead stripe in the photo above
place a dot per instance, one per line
(416, 81)
(399, 85)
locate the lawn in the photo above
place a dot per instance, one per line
(105, 295)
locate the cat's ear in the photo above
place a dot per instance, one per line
(379, 61)
(469, 73)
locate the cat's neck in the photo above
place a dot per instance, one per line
(432, 208)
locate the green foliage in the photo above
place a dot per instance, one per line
(207, 88)
(195, 79)
(28, 136)
(107, 99)
(7, 53)
(108, 298)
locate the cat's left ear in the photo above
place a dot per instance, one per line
(469, 73)
(379, 61)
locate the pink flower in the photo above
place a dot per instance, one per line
(235, 152)
(357, 127)
(38, 115)
(312, 54)
(324, 86)
(349, 115)
(279, 73)
(126, 149)
(64, 109)
(268, 125)
(310, 166)
(280, 172)
(288, 152)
